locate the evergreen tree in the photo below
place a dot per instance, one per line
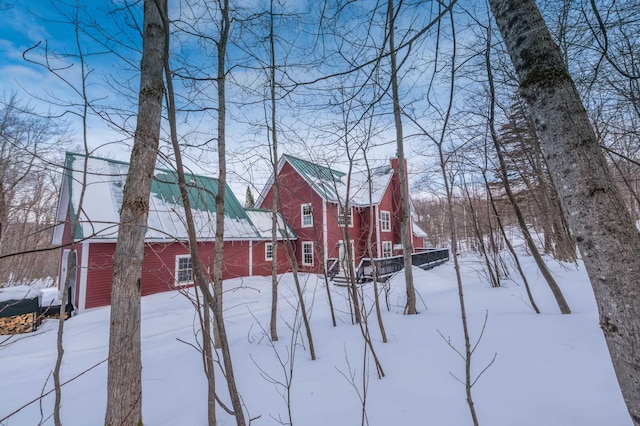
(249, 202)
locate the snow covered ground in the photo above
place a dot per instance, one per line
(549, 369)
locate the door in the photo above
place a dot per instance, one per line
(343, 255)
(69, 265)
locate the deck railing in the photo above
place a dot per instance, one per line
(429, 258)
(333, 267)
(386, 266)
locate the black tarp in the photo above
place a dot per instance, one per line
(55, 310)
(9, 308)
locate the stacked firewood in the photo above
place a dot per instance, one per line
(17, 324)
(53, 314)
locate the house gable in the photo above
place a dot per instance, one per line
(366, 193)
(104, 182)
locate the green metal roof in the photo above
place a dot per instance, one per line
(321, 178)
(105, 179)
(202, 193)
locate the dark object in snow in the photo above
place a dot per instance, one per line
(19, 315)
(20, 310)
(54, 310)
(9, 308)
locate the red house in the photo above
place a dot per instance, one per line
(87, 219)
(313, 202)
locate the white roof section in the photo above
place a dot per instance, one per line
(417, 231)
(19, 292)
(100, 211)
(360, 195)
(262, 221)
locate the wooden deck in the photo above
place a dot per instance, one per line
(386, 267)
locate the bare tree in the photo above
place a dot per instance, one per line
(124, 384)
(27, 191)
(405, 201)
(606, 235)
(468, 351)
(198, 268)
(551, 282)
(273, 323)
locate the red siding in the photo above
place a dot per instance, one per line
(387, 204)
(365, 221)
(294, 191)
(396, 215)
(337, 233)
(262, 266)
(236, 260)
(158, 268)
(418, 242)
(99, 272)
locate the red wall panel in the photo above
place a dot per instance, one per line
(158, 268)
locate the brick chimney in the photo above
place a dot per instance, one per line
(396, 198)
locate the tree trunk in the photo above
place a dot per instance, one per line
(405, 225)
(551, 282)
(374, 269)
(510, 247)
(218, 250)
(124, 386)
(494, 275)
(201, 279)
(606, 235)
(273, 323)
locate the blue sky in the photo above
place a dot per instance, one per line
(112, 86)
(28, 28)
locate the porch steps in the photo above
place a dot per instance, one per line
(341, 280)
(344, 281)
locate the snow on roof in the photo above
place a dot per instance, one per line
(19, 292)
(104, 183)
(380, 177)
(331, 184)
(417, 231)
(262, 221)
(50, 297)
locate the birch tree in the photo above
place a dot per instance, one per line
(604, 230)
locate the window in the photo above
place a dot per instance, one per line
(341, 216)
(268, 251)
(184, 270)
(307, 215)
(386, 249)
(307, 253)
(385, 221)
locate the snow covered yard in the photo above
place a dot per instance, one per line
(549, 369)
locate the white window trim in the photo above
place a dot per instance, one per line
(341, 217)
(182, 283)
(388, 244)
(266, 251)
(302, 215)
(382, 221)
(307, 244)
